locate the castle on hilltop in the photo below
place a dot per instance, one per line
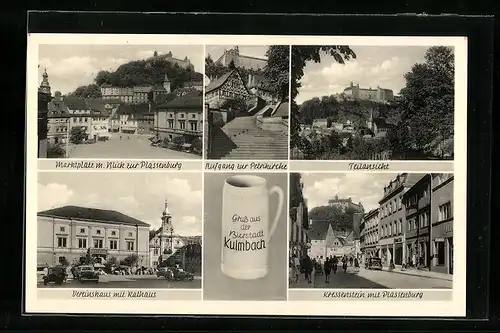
(240, 60)
(377, 95)
(186, 63)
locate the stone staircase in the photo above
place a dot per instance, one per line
(241, 139)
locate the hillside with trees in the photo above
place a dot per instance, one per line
(341, 220)
(149, 72)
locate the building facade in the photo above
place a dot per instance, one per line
(184, 63)
(164, 244)
(228, 86)
(369, 234)
(58, 120)
(322, 236)
(240, 60)
(378, 95)
(299, 220)
(181, 117)
(80, 115)
(44, 97)
(417, 201)
(65, 234)
(392, 217)
(136, 94)
(442, 222)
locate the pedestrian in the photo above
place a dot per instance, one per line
(335, 261)
(391, 265)
(344, 264)
(350, 261)
(295, 268)
(308, 268)
(356, 265)
(327, 270)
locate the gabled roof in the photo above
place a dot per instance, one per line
(57, 109)
(192, 100)
(74, 103)
(92, 214)
(216, 84)
(318, 230)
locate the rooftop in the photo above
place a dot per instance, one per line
(93, 215)
(192, 100)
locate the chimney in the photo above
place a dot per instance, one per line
(352, 84)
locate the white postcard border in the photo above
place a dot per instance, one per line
(455, 307)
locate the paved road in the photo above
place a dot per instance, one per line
(374, 279)
(130, 146)
(129, 281)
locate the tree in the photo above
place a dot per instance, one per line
(111, 263)
(197, 145)
(131, 260)
(90, 91)
(77, 135)
(236, 105)
(300, 56)
(231, 65)
(428, 99)
(341, 220)
(277, 70)
(155, 54)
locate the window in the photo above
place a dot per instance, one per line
(409, 225)
(62, 242)
(445, 211)
(62, 229)
(130, 234)
(193, 116)
(130, 245)
(113, 233)
(98, 243)
(194, 126)
(440, 253)
(155, 252)
(82, 243)
(113, 245)
(170, 123)
(182, 115)
(82, 230)
(98, 231)
(182, 124)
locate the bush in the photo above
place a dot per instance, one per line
(56, 151)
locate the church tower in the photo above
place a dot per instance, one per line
(166, 84)
(166, 228)
(45, 85)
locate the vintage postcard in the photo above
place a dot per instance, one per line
(246, 175)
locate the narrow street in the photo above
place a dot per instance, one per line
(374, 279)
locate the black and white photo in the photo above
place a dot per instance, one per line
(372, 102)
(120, 101)
(119, 230)
(372, 230)
(247, 102)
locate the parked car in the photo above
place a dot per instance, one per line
(178, 274)
(162, 271)
(87, 273)
(373, 263)
(56, 274)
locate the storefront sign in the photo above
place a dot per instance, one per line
(94, 251)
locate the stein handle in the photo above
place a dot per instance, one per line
(279, 192)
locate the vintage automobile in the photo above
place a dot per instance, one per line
(87, 273)
(162, 271)
(56, 274)
(178, 274)
(373, 263)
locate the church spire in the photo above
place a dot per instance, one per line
(45, 85)
(166, 212)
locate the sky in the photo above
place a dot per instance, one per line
(70, 66)
(254, 51)
(367, 188)
(140, 195)
(374, 66)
